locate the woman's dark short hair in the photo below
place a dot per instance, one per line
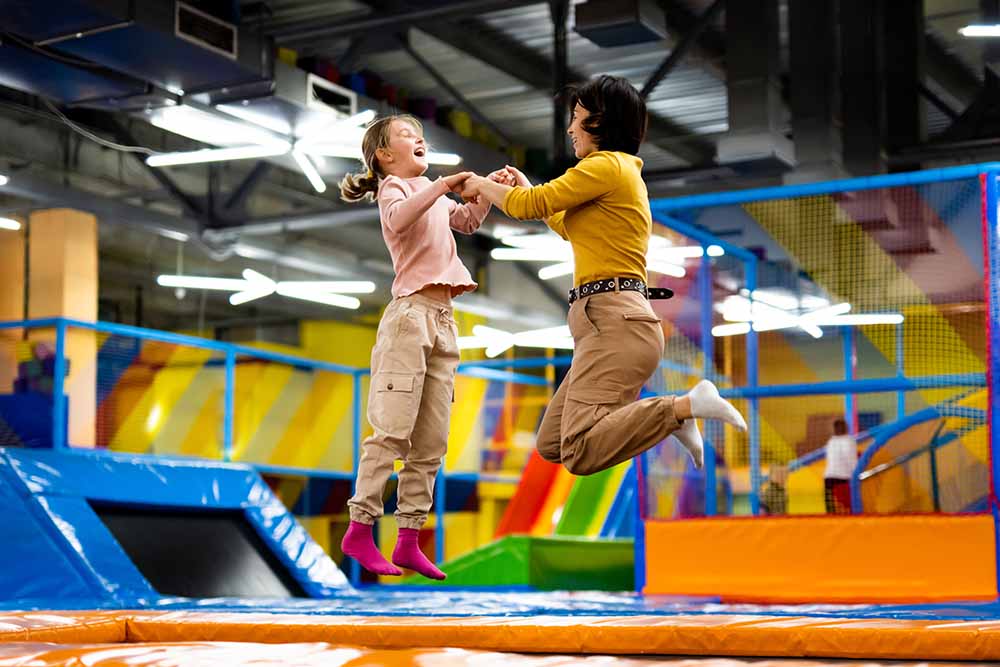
(839, 427)
(617, 113)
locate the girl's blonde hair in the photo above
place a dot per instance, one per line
(364, 185)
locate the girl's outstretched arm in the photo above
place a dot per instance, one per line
(400, 211)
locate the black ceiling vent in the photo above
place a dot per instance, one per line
(205, 30)
(609, 23)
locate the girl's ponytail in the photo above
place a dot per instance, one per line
(357, 187)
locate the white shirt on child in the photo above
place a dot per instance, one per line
(841, 457)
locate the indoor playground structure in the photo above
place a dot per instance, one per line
(168, 492)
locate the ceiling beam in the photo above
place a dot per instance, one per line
(394, 20)
(682, 46)
(709, 47)
(442, 81)
(490, 46)
(950, 72)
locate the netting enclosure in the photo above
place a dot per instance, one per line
(870, 301)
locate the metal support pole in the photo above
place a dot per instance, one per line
(440, 498)
(59, 412)
(991, 259)
(559, 10)
(753, 416)
(900, 371)
(935, 491)
(354, 571)
(712, 429)
(229, 406)
(850, 407)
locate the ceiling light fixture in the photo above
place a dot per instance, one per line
(772, 310)
(10, 223)
(255, 285)
(4, 180)
(309, 169)
(217, 155)
(974, 30)
(662, 257)
(497, 341)
(258, 136)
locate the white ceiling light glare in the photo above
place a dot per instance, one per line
(498, 341)
(774, 310)
(309, 169)
(4, 180)
(245, 134)
(218, 154)
(255, 285)
(662, 257)
(10, 224)
(208, 128)
(974, 30)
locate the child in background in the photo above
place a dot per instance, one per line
(841, 459)
(416, 349)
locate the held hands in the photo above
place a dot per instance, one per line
(472, 187)
(503, 177)
(469, 185)
(455, 182)
(518, 177)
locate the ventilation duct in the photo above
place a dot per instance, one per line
(610, 23)
(168, 43)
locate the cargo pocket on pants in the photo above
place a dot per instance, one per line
(585, 406)
(392, 408)
(640, 316)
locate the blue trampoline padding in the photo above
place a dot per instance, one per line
(410, 602)
(56, 547)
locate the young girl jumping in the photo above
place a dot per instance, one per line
(416, 349)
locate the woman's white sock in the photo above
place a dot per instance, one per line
(707, 404)
(689, 436)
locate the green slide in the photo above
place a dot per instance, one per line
(543, 563)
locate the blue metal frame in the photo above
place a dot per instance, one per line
(991, 259)
(991, 262)
(753, 417)
(60, 418)
(866, 386)
(850, 408)
(900, 370)
(821, 188)
(354, 568)
(705, 295)
(229, 406)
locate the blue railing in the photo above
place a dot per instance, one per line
(892, 430)
(500, 370)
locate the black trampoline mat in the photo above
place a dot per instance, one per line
(198, 554)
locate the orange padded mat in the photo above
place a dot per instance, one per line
(325, 655)
(693, 635)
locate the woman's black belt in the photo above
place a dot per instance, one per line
(619, 285)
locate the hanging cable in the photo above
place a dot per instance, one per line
(95, 138)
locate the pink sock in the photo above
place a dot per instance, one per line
(359, 544)
(408, 554)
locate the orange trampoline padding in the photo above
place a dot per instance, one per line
(706, 635)
(824, 559)
(61, 627)
(326, 655)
